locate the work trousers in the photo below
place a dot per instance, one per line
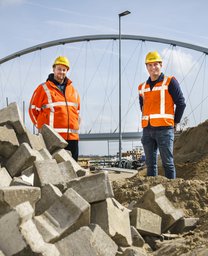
(74, 148)
(162, 139)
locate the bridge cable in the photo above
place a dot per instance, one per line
(183, 79)
(106, 97)
(194, 83)
(203, 88)
(107, 93)
(93, 76)
(133, 87)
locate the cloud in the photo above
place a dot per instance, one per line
(64, 10)
(77, 26)
(181, 60)
(11, 2)
(50, 8)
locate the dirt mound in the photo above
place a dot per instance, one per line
(188, 192)
(191, 153)
(189, 195)
(197, 169)
(192, 143)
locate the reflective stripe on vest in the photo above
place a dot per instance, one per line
(34, 107)
(65, 130)
(143, 90)
(162, 96)
(34, 117)
(60, 103)
(51, 117)
(152, 116)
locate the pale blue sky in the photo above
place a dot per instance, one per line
(25, 23)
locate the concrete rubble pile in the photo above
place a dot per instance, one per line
(51, 206)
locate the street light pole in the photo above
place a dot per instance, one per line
(120, 134)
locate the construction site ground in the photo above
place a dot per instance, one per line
(189, 191)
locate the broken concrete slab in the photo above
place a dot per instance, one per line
(22, 159)
(184, 225)
(66, 215)
(113, 218)
(52, 139)
(11, 115)
(18, 181)
(90, 240)
(8, 142)
(28, 171)
(11, 240)
(63, 155)
(25, 211)
(5, 177)
(19, 235)
(93, 188)
(45, 154)
(12, 196)
(67, 171)
(137, 239)
(35, 141)
(40, 247)
(28, 175)
(28, 179)
(156, 201)
(49, 194)
(47, 172)
(146, 222)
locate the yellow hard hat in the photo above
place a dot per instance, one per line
(153, 57)
(61, 60)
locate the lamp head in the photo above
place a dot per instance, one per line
(124, 13)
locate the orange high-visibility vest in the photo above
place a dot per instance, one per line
(158, 105)
(49, 106)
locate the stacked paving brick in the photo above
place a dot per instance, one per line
(49, 205)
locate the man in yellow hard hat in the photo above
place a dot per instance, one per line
(162, 104)
(57, 103)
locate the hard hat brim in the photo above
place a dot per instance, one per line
(159, 61)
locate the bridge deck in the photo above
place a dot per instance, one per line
(110, 136)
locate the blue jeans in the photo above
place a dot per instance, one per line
(162, 139)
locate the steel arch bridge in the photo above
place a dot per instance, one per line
(102, 37)
(104, 136)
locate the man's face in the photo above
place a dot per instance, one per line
(154, 69)
(60, 72)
